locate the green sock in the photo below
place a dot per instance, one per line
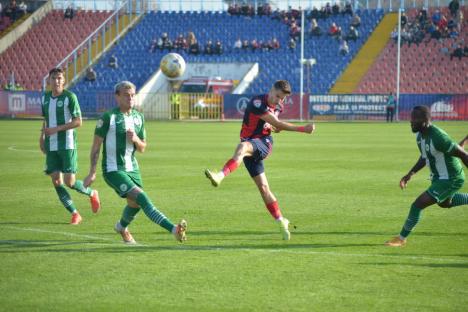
(413, 219)
(128, 215)
(65, 198)
(459, 199)
(79, 187)
(151, 212)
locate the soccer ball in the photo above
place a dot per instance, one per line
(172, 65)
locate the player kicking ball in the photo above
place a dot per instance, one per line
(260, 118)
(442, 155)
(122, 132)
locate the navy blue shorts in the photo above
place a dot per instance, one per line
(262, 149)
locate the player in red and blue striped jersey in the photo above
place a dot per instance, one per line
(260, 118)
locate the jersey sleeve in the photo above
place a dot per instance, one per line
(442, 142)
(258, 107)
(42, 106)
(142, 132)
(74, 106)
(102, 125)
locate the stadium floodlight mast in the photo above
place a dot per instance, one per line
(308, 62)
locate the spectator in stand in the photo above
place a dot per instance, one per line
(348, 9)
(459, 20)
(91, 75)
(18, 87)
(209, 48)
(404, 19)
(237, 45)
(356, 21)
(22, 8)
(69, 13)
(422, 17)
(113, 62)
(292, 44)
(394, 35)
(436, 34)
(180, 43)
(218, 49)
(294, 31)
(275, 45)
(234, 9)
(328, 9)
(465, 51)
(352, 34)
(245, 45)
(276, 15)
(254, 45)
(454, 6)
(247, 10)
(264, 9)
(344, 48)
(453, 33)
(436, 17)
(333, 30)
(12, 10)
(314, 14)
(336, 9)
(315, 29)
(194, 48)
(166, 42)
(458, 52)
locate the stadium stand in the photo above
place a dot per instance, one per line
(425, 68)
(43, 47)
(137, 63)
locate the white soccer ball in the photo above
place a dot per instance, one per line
(172, 65)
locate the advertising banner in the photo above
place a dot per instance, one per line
(20, 104)
(235, 104)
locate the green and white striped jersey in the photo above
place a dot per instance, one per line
(59, 111)
(118, 152)
(436, 150)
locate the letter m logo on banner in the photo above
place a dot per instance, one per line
(16, 103)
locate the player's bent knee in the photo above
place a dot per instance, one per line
(445, 205)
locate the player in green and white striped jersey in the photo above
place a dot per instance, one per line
(122, 132)
(442, 155)
(61, 112)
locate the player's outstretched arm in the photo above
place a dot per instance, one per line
(281, 125)
(75, 123)
(460, 152)
(41, 138)
(418, 166)
(94, 157)
(463, 142)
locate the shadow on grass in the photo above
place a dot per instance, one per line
(118, 247)
(430, 265)
(33, 223)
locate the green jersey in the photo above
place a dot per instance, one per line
(118, 152)
(436, 148)
(59, 111)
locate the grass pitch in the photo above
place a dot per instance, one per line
(339, 186)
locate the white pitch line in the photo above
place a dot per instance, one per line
(208, 248)
(13, 148)
(60, 233)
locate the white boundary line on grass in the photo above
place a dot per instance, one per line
(202, 248)
(13, 148)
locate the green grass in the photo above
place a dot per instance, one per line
(339, 186)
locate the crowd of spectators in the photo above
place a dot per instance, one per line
(443, 28)
(11, 12)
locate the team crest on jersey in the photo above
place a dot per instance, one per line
(427, 147)
(137, 121)
(123, 187)
(257, 103)
(59, 103)
(99, 123)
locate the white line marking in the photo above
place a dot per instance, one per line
(13, 148)
(224, 249)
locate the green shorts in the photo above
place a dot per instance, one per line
(123, 182)
(441, 190)
(65, 161)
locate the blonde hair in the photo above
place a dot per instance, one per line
(124, 85)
